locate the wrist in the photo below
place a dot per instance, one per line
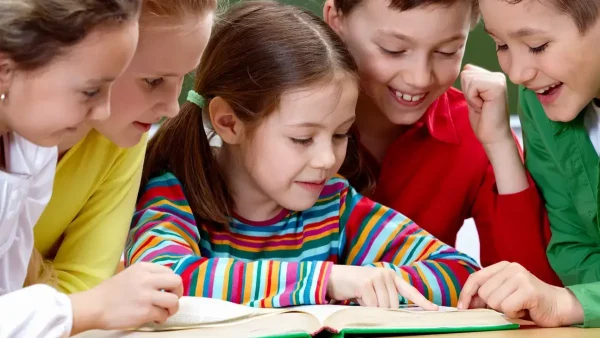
(500, 144)
(327, 288)
(570, 310)
(87, 311)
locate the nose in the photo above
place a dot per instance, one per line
(169, 105)
(101, 111)
(520, 70)
(420, 75)
(324, 157)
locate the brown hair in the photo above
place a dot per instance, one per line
(33, 32)
(257, 51)
(584, 12)
(347, 6)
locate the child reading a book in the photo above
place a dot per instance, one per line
(264, 220)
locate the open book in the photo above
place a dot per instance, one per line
(218, 318)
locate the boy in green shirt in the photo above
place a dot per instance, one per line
(552, 49)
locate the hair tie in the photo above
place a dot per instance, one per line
(196, 98)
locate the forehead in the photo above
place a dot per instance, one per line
(187, 36)
(103, 53)
(330, 103)
(439, 20)
(502, 18)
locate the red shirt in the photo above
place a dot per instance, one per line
(438, 174)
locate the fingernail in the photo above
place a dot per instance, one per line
(459, 306)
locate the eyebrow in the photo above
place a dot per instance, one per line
(171, 74)
(520, 33)
(317, 125)
(101, 81)
(407, 38)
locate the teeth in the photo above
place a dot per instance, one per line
(545, 89)
(409, 98)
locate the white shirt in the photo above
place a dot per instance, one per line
(25, 190)
(592, 125)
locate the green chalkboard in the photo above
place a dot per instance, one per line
(480, 51)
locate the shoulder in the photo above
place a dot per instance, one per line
(101, 158)
(28, 158)
(164, 186)
(104, 147)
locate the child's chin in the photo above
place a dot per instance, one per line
(301, 204)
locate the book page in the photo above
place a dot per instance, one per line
(321, 312)
(199, 311)
(418, 309)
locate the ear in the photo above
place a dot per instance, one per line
(333, 17)
(7, 71)
(223, 119)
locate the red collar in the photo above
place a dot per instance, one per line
(438, 117)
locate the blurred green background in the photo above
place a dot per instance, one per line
(480, 51)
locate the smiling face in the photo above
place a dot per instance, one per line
(543, 50)
(300, 146)
(52, 101)
(149, 89)
(406, 59)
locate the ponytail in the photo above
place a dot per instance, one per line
(181, 146)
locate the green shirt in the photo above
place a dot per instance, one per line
(564, 165)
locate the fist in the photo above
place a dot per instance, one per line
(485, 93)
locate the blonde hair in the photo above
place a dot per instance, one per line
(160, 9)
(40, 271)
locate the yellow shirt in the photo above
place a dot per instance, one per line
(84, 227)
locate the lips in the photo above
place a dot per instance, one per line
(144, 127)
(313, 186)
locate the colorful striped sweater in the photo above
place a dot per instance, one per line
(286, 261)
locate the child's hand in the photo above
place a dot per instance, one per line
(485, 93)
(370, 286)
(510, 288)
(128, 300)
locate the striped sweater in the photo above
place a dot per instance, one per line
(286, 261)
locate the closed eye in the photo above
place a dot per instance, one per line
(91, 93)
(500, 48)
(391, 52)
(341, 136)
(539, 49)
(302, 141)
(154, 82)
(448, 54)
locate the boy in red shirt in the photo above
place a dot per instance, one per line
(424, 153)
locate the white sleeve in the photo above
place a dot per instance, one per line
(37, 311)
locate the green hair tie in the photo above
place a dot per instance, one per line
(196, 98)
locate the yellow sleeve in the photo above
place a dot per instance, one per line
(94, 241)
